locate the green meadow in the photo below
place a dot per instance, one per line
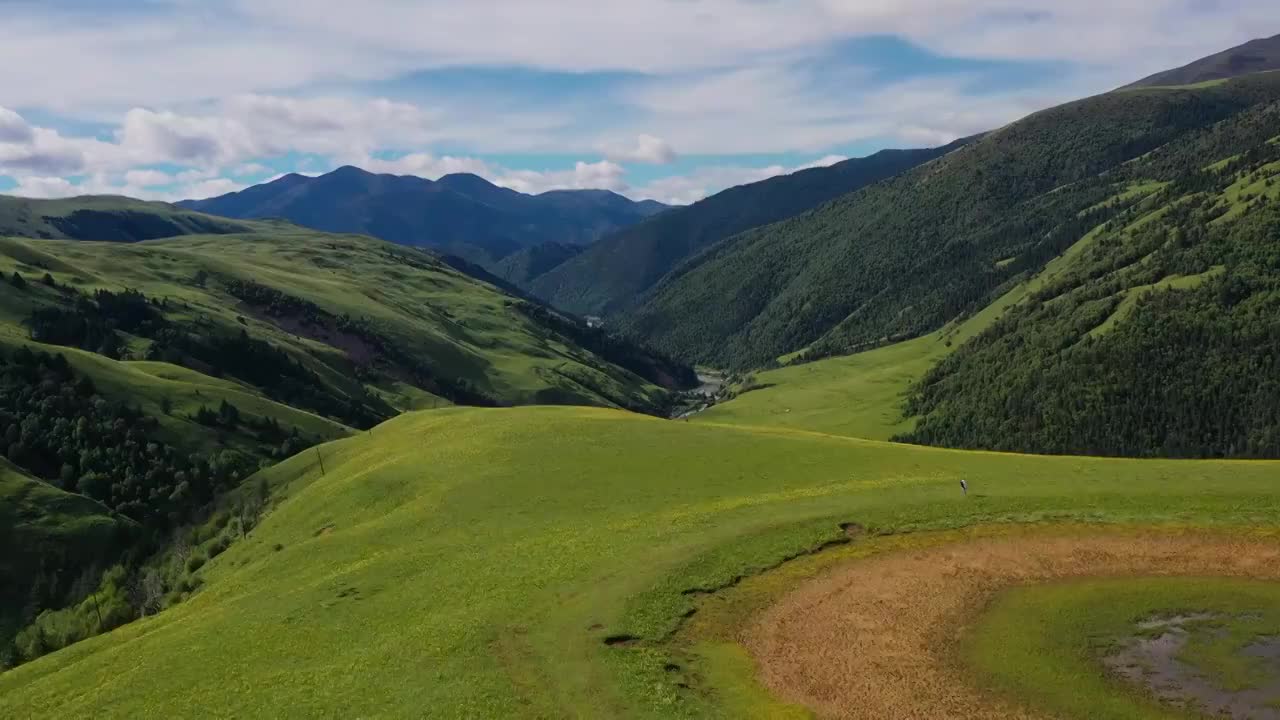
(473, 563)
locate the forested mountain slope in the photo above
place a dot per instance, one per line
(903, 257)
(523, 267)
(1254, 56)
(460, 214)
(1161, 337)
(614, 273)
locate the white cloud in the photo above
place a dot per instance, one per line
(217, 88)
(645, 149)
(168, 53)
(45, 187)
(147, 178)
(426, 165)
(251, 168)
(141, 184)
(13, 129)
(603, 175)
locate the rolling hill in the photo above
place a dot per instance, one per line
(1254, 56)
(109, 219)
(616, 272)
(153, 377)
(553, 562)
(458, 214)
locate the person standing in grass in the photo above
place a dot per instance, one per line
(964, 487)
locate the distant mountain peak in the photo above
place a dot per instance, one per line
(461, 213)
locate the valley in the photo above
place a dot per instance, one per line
(988, 429)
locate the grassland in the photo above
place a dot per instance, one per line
(107, 218)
(464, 330)
(470, 562)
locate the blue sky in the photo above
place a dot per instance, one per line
(663, 99)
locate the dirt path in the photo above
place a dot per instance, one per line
(872, 638)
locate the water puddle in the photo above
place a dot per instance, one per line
(1151, 660)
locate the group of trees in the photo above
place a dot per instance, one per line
(58, 427)
(95, 323)
(97, 601)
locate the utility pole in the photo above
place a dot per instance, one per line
(321, 457)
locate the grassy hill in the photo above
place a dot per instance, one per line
(411, 320)
(903, 258)
(1254, 56)
(459, 214)
(617, 271)
(155, 377)
(488, 563)
(105, 218)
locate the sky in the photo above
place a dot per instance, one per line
(669, 100)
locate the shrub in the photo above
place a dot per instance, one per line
(195, 562)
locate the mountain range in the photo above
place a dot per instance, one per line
(460, 214)
(616, 272)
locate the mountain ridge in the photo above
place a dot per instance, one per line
(1258, 55)
(460, 213)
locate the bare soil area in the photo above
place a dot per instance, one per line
(875, 638)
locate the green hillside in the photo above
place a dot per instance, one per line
(155, 377)
(364, 320)
(506, 563)
(902, 258)
(617, 271)
(105, 218)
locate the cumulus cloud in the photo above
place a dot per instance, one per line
(45, 187)
(603, 175)
(426, 165)
(224, 87)
(645, 149)
(147, 178)
(13, 129)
